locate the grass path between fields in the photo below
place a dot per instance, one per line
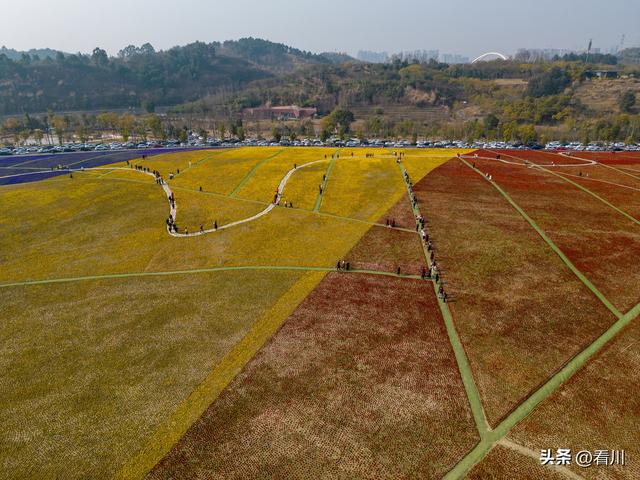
(550, 242)
(586, 190)
(611, 167)
(167, 273)
(192, 408)
(253, 170)
(560, 377)
(316, 207)
(470, 387)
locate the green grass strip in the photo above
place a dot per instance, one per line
(544, 392)
(624, 172)
(202, 160)
(252, 171)
(585, 189)
(316, 207)
(550, 242)
(466, 374)
(200, 270)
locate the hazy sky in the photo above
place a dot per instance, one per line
(458, 26)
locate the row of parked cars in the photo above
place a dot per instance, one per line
(88, 147)
(196, 142)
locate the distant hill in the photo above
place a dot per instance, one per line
(46, 79)
(338, 58)
(34, 52)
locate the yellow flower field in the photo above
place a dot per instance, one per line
(100, 368)
(263, 183)
(223, 172)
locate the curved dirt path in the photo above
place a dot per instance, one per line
(173, 207)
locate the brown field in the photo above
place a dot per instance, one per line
(401, 212)
(621, 190)
(599, 408)
(511, 293)
(387, 249)
(504, 463)
(360, 382)
(611, 158)
(597, 239)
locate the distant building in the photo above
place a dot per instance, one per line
(290, 112)
(372, 57)
(541, 54)
(602, 74)
(453, 58)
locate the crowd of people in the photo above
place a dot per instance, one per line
(343, 265)
(426, 240)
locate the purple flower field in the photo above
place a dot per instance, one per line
(32, 168)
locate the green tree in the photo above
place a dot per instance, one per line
(148, 106)
(59, 124)
(38, 135)
(551, 82)
(491, 123)
(155, 125)
(339, 120)
(222, 130)
(509, 131)
(276, 134)
(627, 101)
(527, 133)
(125, 126)
(99, 57)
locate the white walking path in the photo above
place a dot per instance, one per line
(173, 207)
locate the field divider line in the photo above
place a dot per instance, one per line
(27, 162)
(564, 154)
(619, 170)
(586, 190)
(191, 409)
(568, 180)
(545, 391)
(48, 169)
(599, 180)
(251, 172)
(199, 162)
(203, 270)
(316, 207)
(562, 376)
(550, 242)
(466, 374)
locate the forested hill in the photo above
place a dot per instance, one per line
(140, 76)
